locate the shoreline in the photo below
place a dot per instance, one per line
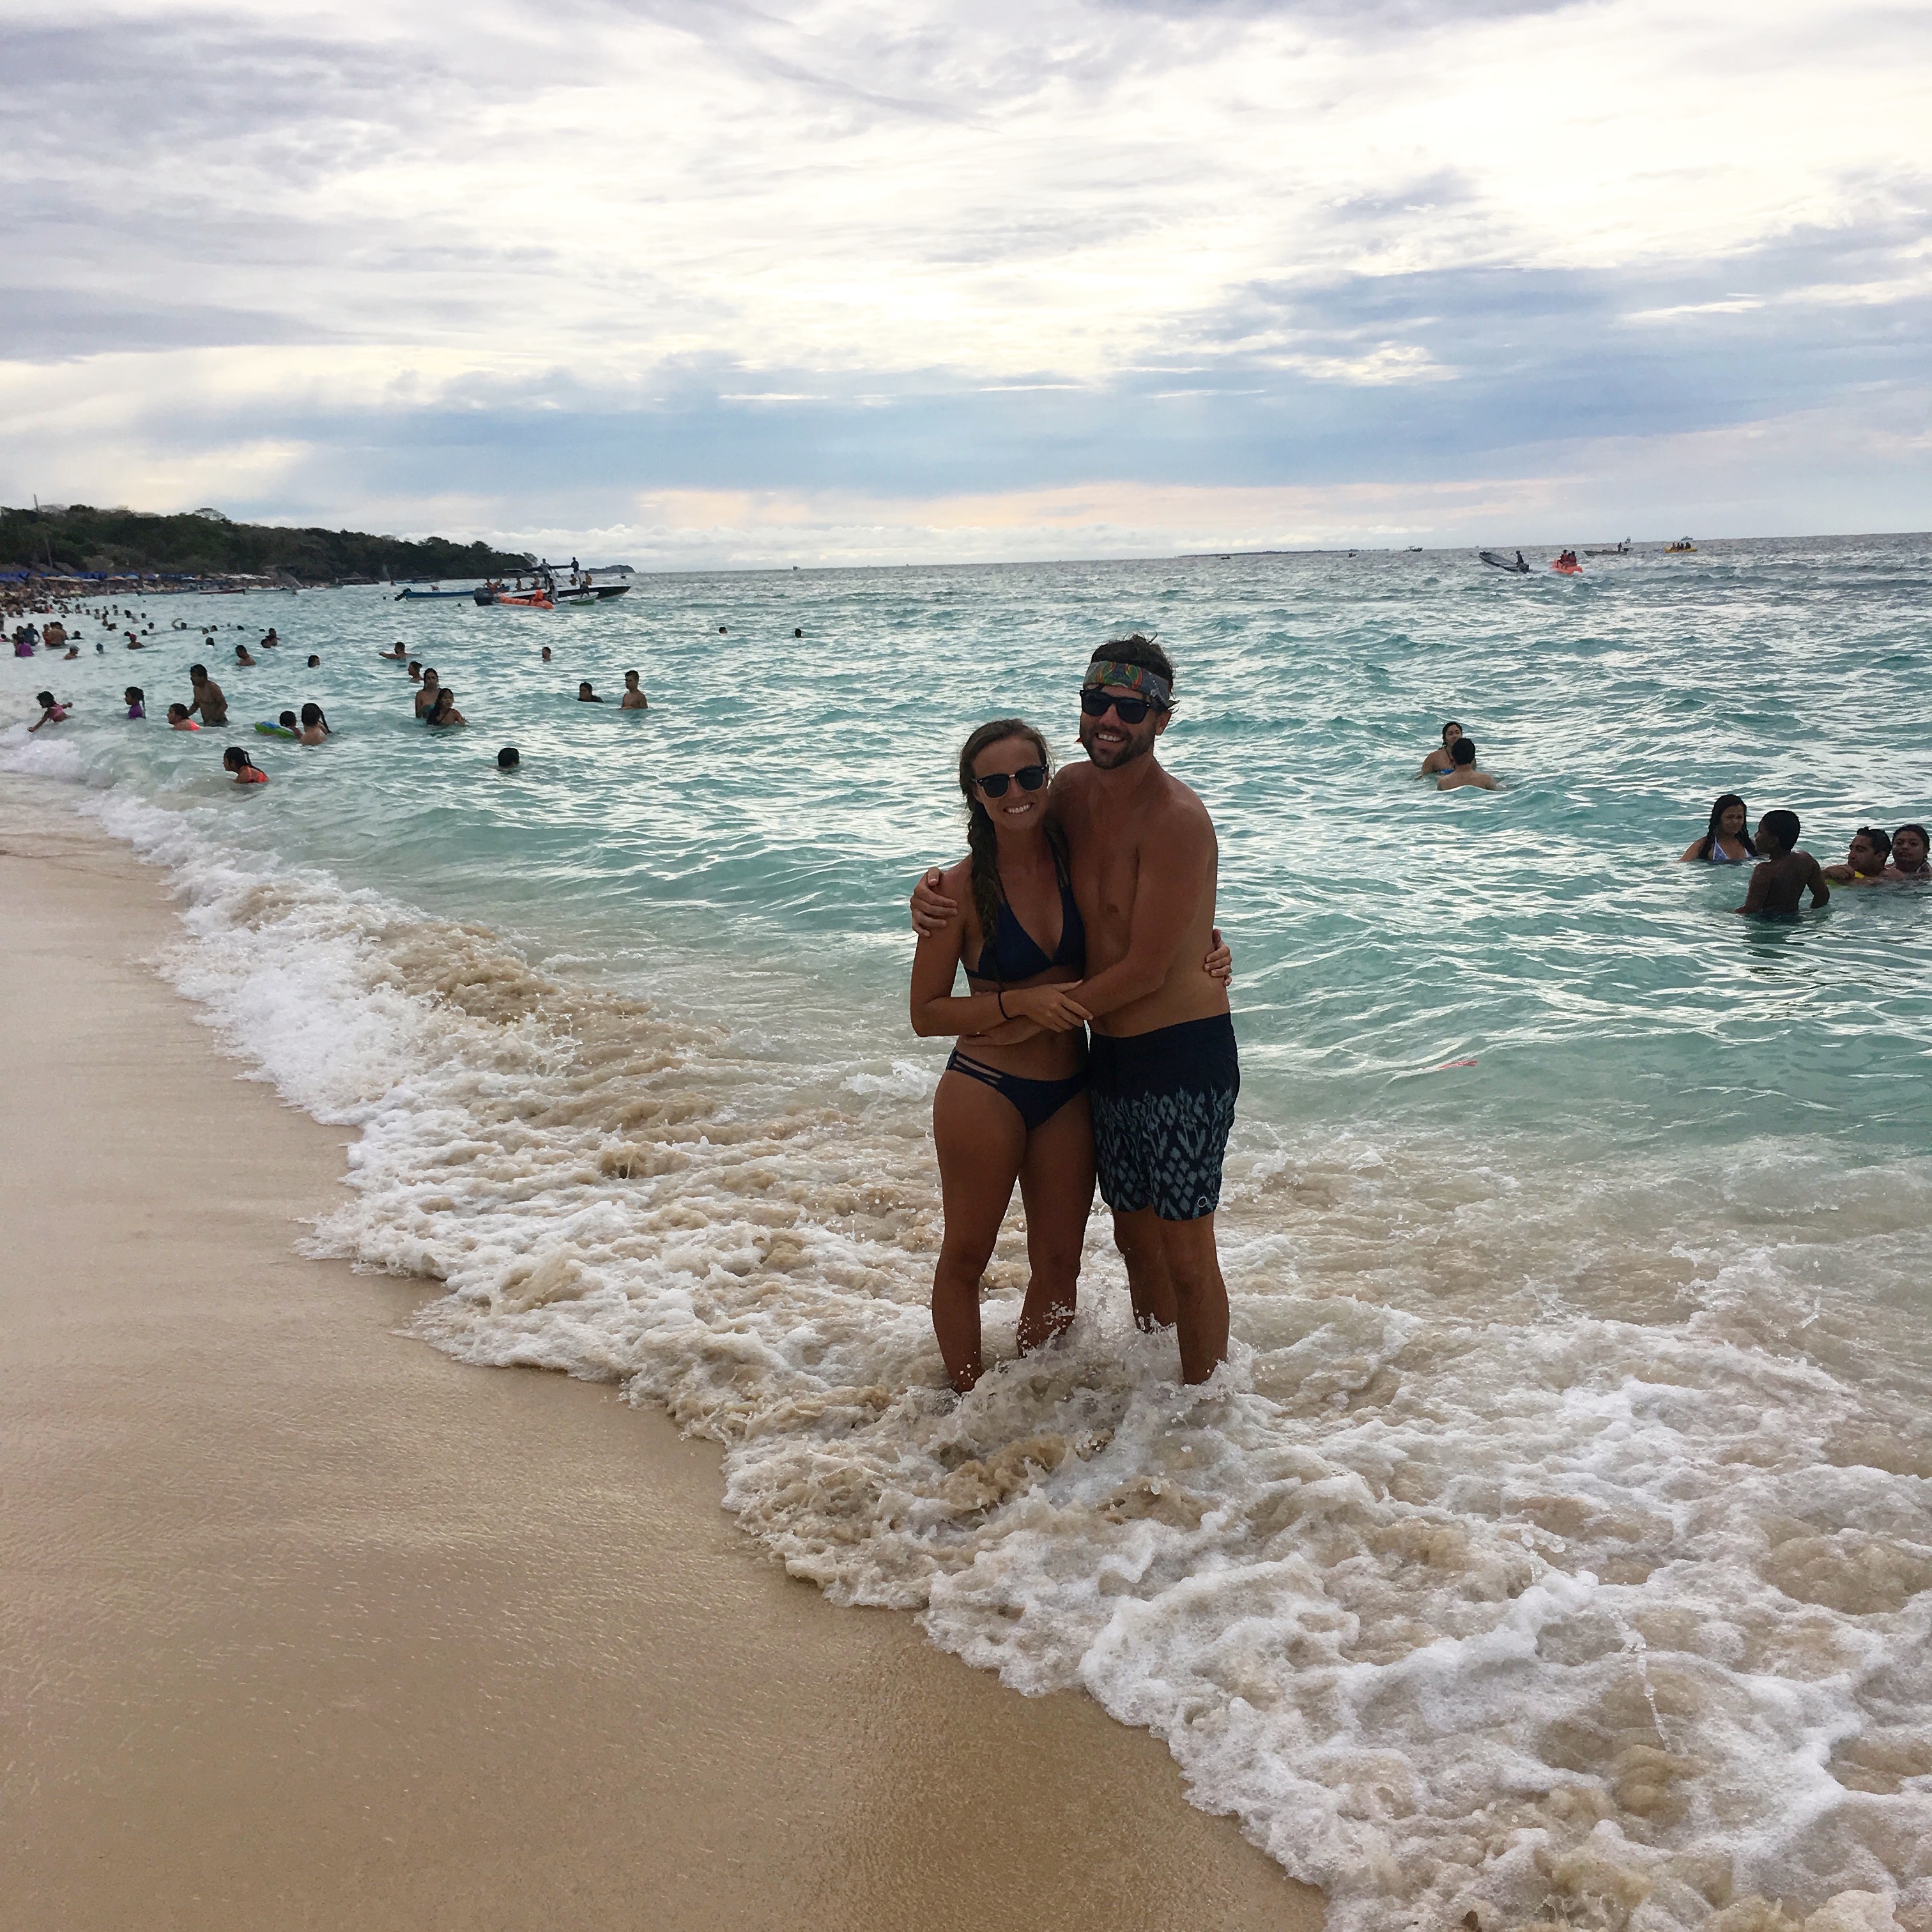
(307, 1622)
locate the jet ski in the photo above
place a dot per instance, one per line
(1496, 560)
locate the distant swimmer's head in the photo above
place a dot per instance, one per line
(415, 671)
(630, 680)
(1462, 753)
(796, 632)
(45, 700)
(1451, 732)
(430, 676)
(236, 759)
(311, 714)
(1777, 833)
(546, 654)
(314, 662)
(1126, 699)
(177, 715)
(134, 694)
(1871, 847)
(197, 674)
(287, 720)
(1908, 848)
(509, 758)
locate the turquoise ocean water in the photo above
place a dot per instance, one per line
(1566, 1511)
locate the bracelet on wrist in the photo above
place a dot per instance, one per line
(1003, 1014)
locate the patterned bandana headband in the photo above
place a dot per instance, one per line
(1137, 678)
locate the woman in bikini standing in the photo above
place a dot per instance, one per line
(1011, 1104)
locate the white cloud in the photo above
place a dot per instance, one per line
(586, 207)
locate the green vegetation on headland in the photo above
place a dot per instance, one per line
(79, 538)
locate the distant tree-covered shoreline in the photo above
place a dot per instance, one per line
(205, 543)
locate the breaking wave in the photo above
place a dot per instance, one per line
(1557, 1547)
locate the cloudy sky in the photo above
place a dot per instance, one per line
(690, 282)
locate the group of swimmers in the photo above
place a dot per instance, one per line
(1781, 873)
(308, 726)
(436, 703)
(1453, 764)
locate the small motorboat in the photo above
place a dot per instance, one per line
(592, 593)
(411, 596)
(1496, 560)
(1683, 547)
(1611, 550)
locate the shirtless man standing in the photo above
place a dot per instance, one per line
(208, 698)
(1143, 860)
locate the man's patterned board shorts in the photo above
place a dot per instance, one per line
(1163, 1103)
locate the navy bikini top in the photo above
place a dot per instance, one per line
(1016, 955)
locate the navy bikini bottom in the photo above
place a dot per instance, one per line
(1035, 1101)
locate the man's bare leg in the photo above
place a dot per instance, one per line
(1175, 1265)
(1150, 1286)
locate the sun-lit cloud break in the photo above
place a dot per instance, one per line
(551, 258)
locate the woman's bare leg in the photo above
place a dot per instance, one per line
(980, 1139)
(1057, 1184)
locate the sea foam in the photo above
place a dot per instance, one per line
(1556, 1548)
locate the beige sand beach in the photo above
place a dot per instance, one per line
(303, 1625)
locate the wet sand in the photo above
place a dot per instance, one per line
(303, 1625)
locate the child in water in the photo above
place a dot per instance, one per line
(179, 720)
(52, 711)
(314, 725)
(247, 772)
(1908, 855)
(137, 701)
(1782, 872)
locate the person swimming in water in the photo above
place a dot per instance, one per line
(443, 712)
(314, 725)
(1440, 760)
(247, 772)
(179, 720)
(52, 711)
(425, 697)
(1908, 855)
(585, 695)
(1726, 842)
(1783, 873)
(1464, 771)
(634, 698)
(241, 654)
(137, 701)
(209, 699)
(1864, 861)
